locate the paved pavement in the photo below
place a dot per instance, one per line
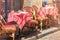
(42, 34)
(47, 34)
(52, 36)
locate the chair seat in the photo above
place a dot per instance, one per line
(34, 21)
(10, 28)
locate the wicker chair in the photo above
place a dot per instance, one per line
(52, 22)
(28, 9)
(8, 29)
(36, 11)
(31, 10)
(43, 21)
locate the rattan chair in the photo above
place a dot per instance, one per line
(31, 10)
(8, 28)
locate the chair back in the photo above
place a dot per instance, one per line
(35, 11)
(29, 9)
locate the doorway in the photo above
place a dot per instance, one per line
(18, 4)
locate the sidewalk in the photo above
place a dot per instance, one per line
(42, 34)
(53, 36)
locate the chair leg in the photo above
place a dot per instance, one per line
(13, 34)
(41, 25)
(36, 28)
(46, 24)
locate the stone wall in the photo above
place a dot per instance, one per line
(58, 5)
(49, 1)
(32, 2)
(38, 3)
